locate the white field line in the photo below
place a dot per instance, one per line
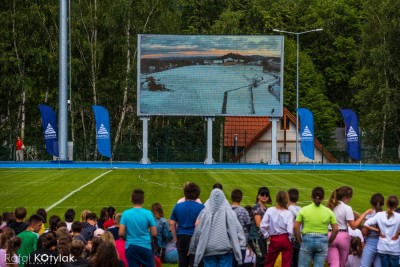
(76, 190)
(149, 182)
(252, 172)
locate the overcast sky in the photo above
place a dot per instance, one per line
(159, 46)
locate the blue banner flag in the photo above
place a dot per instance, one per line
(306, 132)
(352, 133)
(50, 129)
(102, 130)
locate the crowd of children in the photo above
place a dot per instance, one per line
(216, 233)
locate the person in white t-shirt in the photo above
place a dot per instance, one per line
(277, 224)
(388, 227)
(183, 199)
(338, 251)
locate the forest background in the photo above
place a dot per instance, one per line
(353, 63)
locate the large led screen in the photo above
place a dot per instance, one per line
(210, 75)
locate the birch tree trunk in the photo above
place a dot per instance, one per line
(382, 146)
(384, 122)
(88, 49)
(127, 81)
(94, 66)
(21, 115)
(128, 74)
(93, 51)
(86, 154)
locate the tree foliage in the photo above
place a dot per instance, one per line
(352, 63)
(378, 79)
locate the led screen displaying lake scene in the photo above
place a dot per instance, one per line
(210, 75)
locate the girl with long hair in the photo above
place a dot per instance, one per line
(388, 228)
(355, 252)
(256, 239)
(5, 235)
(277, 224)
(106, 256)
(13, 244)
(338, 251)
(314, 241)
(370, 251)
(164, 235)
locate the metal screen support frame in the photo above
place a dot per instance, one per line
(209, 158)
(63, 84)
(145, 144)
(274, 160)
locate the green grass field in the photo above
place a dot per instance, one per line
(58, 190)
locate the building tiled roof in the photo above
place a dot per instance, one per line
(246, 128)
(250, 129)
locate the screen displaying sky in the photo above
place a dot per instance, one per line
(164, 46)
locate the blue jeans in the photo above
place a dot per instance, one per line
(224, 260)
(370, 253)
(171, 256)
(389, 260)
(313, 247)
(139, 256)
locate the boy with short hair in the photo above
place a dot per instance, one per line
(182, 223)
(89, 227)
(19, 225)
(134, 228)
(69, 218)
(29, 238)
(76, 229)
(242, 215)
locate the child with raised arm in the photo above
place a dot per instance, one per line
(338, 251)
(388, 228)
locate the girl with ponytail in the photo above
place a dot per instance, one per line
(277, 224)
(370, 251)
(314, 241)
(387, 225)
(318, 195)
(13, 244)
(338, 251)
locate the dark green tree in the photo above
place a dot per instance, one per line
(334, 51)
(378, 80)
(312, 92)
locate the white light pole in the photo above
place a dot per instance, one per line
(297, 84)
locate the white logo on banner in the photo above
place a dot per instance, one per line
(50, 132)
(306, 135)
(102, 133)
(352, 135)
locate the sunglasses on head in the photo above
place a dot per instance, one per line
(264, 194)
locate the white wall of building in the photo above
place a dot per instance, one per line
(261, 151)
